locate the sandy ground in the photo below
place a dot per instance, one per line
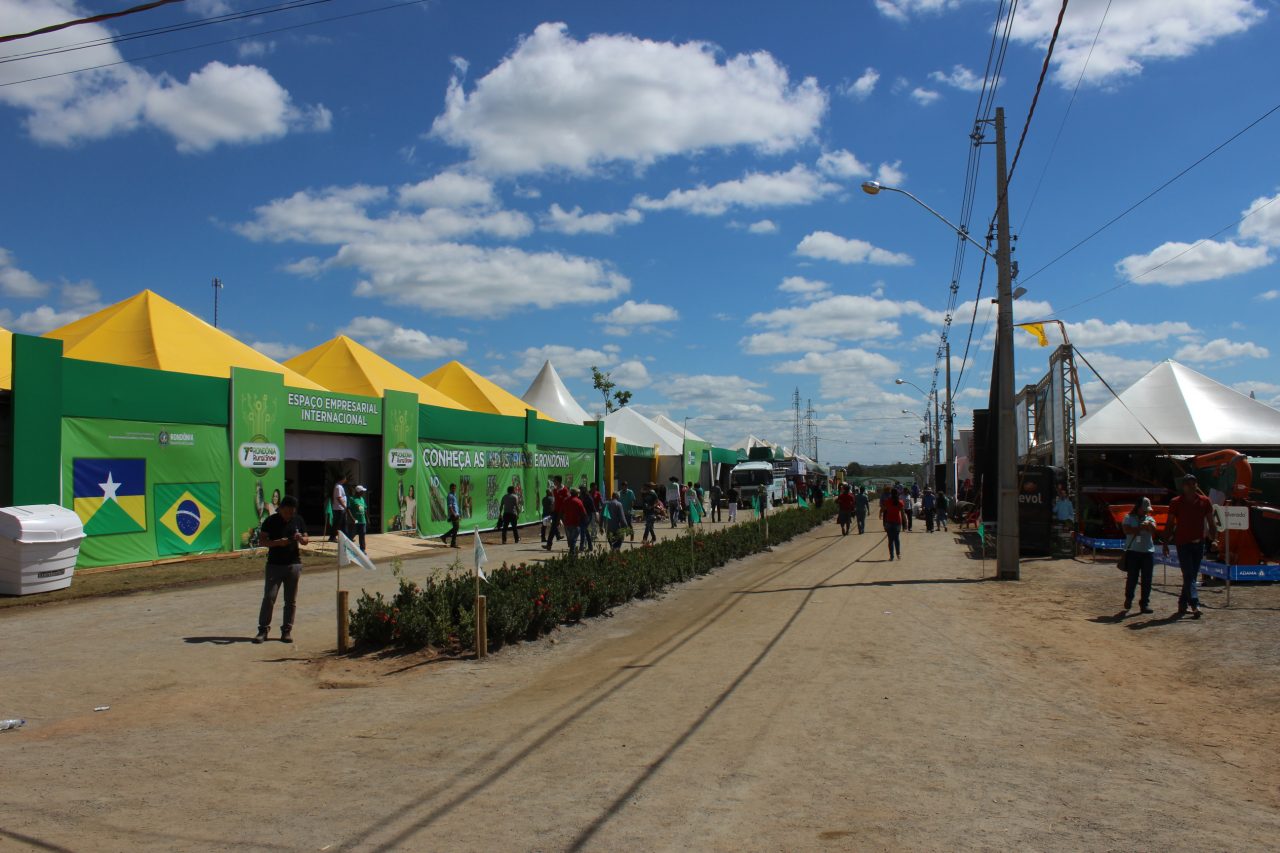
(816, 697)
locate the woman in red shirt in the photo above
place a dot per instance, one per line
(891, 516)
(846, 501)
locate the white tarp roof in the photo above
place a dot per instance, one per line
(1181, 408)
(548, 394)
(678, 429)
(629, 426)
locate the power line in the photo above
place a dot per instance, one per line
(119, 38)
(1053, 149)
(258, 34)
(92, 19)
(1035, 97)
(1113, 220)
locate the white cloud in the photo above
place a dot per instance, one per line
(309, 267)
(763, 226)
(855, 360)
(1100, 333)
(1265, 392)
(891, 174)
(570, 362)
(412, 258)
(958, 78)
(831, 247)
(924, 97)
(632, 313)
(393, 341)
(219, 104)
(1268, 295)
(81, 295)
(558, 103)
(842, 164)
(1135, 32)
(716, 395)
(1220, 349)
(862, 88)
(448, 189)
(630, 375)
(576, 222)
(255, 48)
(804, 288)
(18, 283)
(776, 343)
(843, 317)
(276, 350)
(1263, 223)
(799, 185)
(1182, 264)
(901, 10)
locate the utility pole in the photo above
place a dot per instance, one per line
(951, 448)
(217, 289)
(795, 405)
(937, 441)
(1007, 544)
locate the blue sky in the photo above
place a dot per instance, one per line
(668, 191)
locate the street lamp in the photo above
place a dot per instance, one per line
(933, 427)
(1007, 544)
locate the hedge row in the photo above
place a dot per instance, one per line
(525, 601)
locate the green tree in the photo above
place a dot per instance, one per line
(613, 398)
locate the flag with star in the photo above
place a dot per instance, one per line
(110, 495)
(187, 518)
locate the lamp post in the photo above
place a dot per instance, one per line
(1007, 545)
(932, 426)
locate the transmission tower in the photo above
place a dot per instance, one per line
(796, 438)
(811, 440)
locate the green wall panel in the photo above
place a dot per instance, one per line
(37, 420)
(91, 389)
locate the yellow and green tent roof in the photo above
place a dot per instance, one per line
(348, 367)
(475, 392)
(148, 330)
(6, 359)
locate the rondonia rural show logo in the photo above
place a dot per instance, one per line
(260, 456)
(400, 458)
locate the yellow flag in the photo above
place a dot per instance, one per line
(1037, 330)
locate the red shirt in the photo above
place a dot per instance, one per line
(892, 509)
(573, 511)
(1191, 516)
(561, 495)
(846, 501)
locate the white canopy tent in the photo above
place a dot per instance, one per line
(676, 428)
(628, 425)
(1182, 409)
(548, 394)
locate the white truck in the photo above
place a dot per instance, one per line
(757, 478)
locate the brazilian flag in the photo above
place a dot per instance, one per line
(187, 518)
(110, 495)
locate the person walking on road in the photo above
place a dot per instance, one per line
(942, 510)
(1139, 554)
(673, 500)
(574, 514)
(928, 508)
(1190, 514)
(282, 532)
(455, 516)
(892, 512)
(846, 503)
(615, 521)
(628, 499)
(732, 497)
(908, 508)
(509, 515)
(339, 503)
(360, 513)
(714, 495)
(585, 539)
(559, 495)
(649, 502)
(548, 510)
(861, 508)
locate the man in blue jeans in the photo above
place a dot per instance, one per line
(1190, 516)
(282, 532)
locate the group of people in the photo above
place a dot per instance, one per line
(1191, 522)
(348, 514)
(898, 506)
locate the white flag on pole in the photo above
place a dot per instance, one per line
(481, 557)
(348, 553)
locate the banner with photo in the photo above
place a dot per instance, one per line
(145, 491)
(481, 475)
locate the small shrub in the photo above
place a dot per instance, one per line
(524, 601)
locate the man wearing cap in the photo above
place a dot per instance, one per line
(359, 508)
(1190, 514)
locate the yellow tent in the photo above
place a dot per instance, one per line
(351, 368)
(475, 392)
(148, 330)
(6, 359)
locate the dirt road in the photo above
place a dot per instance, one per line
(816, 697)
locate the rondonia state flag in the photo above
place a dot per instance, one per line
(349, 552)
(187, 515)
(110, 495)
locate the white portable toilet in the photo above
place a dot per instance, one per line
(38, 548)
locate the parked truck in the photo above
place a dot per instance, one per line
(757, 478)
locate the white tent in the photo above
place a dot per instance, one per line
(548, 394)
(1183, 409)
(628, 425)
(676, 428)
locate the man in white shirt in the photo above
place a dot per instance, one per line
(339, 507)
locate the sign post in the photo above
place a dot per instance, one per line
(1232, 518)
